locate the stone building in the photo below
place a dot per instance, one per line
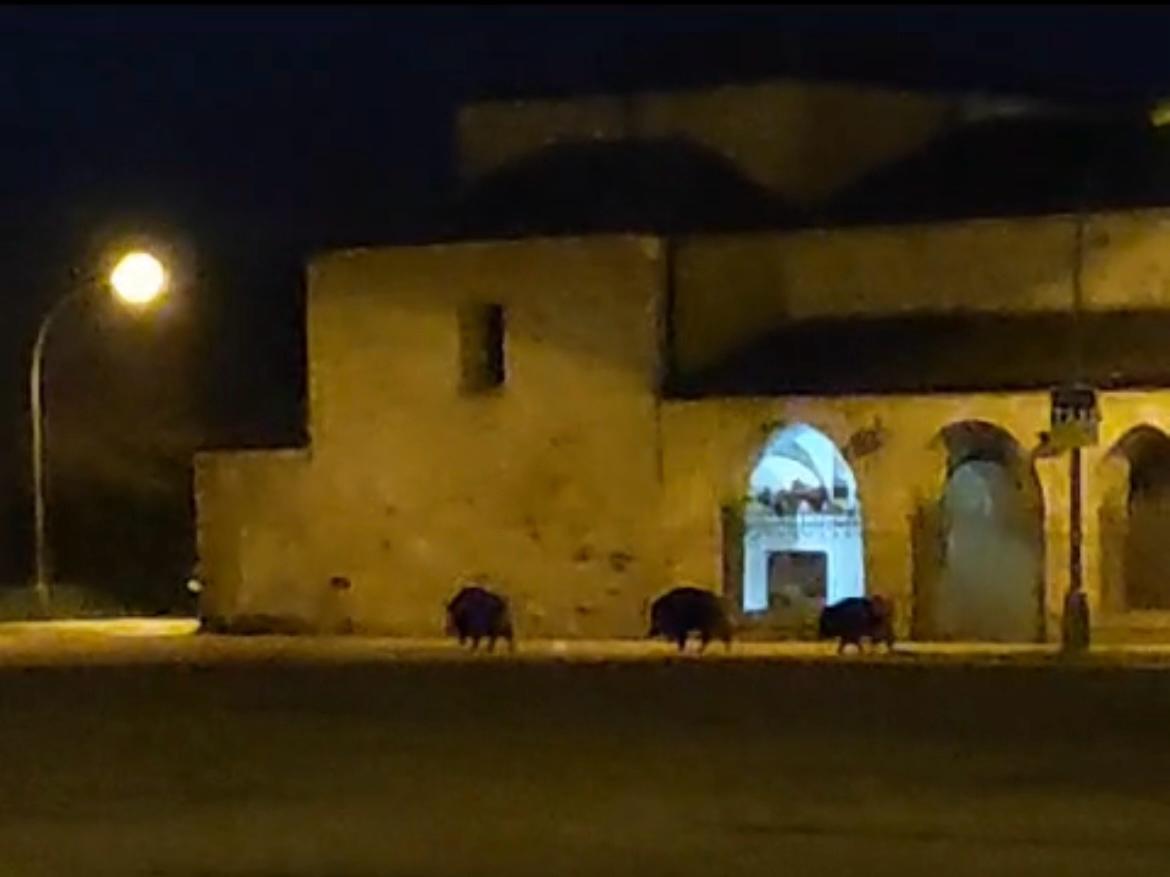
(587, 411)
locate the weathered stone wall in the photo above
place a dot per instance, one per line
(893, 445)
(804, 141)
(1001, 266)
(574, 486)
(546, 486)
(255, 533)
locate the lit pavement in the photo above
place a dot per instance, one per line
(151, 641)
(135, 748)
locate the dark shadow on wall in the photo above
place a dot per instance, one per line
(940, 353)
(667, 185)
(1018, 167)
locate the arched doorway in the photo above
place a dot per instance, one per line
(1135, 522)
(989, 584)
(802, 541)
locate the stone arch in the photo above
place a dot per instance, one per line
(983, 577)
(1134, 518)
(802, 535)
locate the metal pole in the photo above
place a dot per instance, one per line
(1074, 509)
(1075, 583)
(42, 574)
(1075, 629)
(36, 396)
(1075, 616)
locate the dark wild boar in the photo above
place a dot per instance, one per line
(683, 611)
(854, 619)
(475, 613)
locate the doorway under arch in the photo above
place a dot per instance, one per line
(989, 580)
(802, 539)
(1135, 522)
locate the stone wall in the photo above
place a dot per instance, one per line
(574, 486)
(255, 533)
(894, 447)
(545, 486)
(803, 141)
(1000, 266)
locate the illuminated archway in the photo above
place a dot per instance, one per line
(802, 541)
(989, 581)
(1135, 522)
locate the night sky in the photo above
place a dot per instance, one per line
(252, 138)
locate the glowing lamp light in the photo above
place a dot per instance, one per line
(139, 278)
(1160, 114)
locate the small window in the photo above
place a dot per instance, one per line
(481, 347)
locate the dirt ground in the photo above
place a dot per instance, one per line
(140, 750)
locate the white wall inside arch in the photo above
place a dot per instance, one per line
(800, 461)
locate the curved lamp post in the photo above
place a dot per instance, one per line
(138, 280)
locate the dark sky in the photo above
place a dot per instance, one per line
(253, 137)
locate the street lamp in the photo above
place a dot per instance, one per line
(138, 280)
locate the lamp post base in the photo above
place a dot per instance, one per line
(1074, 624)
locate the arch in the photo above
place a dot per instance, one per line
(1134, 518)
(802, 538)
(984, 579)
(981, 440)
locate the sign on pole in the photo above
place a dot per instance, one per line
(1075, 418)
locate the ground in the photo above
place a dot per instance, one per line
(131, 753)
